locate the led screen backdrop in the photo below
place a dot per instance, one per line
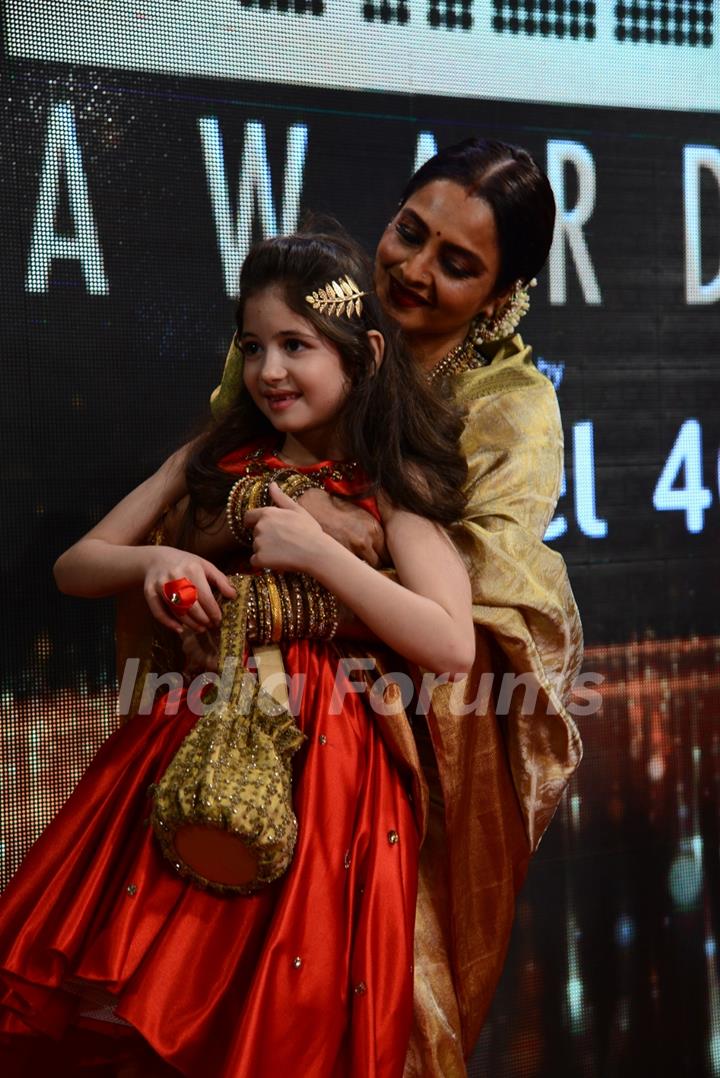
(144, 146)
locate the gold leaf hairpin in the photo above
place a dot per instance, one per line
(338, 297)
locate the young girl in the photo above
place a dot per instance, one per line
(312, 975)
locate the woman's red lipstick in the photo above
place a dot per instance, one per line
(404, 297)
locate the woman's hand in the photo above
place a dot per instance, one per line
(164, 564)
(285, 536)
(353, 527)
(350, 525)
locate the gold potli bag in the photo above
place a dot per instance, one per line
(223, 809)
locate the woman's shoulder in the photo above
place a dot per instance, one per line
(509, 369)
(509, 403)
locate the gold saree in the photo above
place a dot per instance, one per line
(502, 760)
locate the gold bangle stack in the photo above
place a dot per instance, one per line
(294, 484)
(276, 614)
(246, 493)
(281, 606)
(288, 610)
(253, 491)
(290, 606)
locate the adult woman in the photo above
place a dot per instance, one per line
(474, 226)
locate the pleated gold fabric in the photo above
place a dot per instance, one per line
(501, 770)
(513, 443)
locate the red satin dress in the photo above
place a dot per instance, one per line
(106, 955)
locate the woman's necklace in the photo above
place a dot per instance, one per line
(463, 357)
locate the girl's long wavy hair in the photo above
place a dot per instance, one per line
(404, 435)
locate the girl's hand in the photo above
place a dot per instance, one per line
(166, 563)
(285, 536)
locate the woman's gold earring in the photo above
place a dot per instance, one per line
(505, 320)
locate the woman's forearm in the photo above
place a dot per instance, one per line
(346, 522)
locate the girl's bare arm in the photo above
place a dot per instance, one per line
(113, 556)
(427, 616)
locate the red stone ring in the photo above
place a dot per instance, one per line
(180, 594)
